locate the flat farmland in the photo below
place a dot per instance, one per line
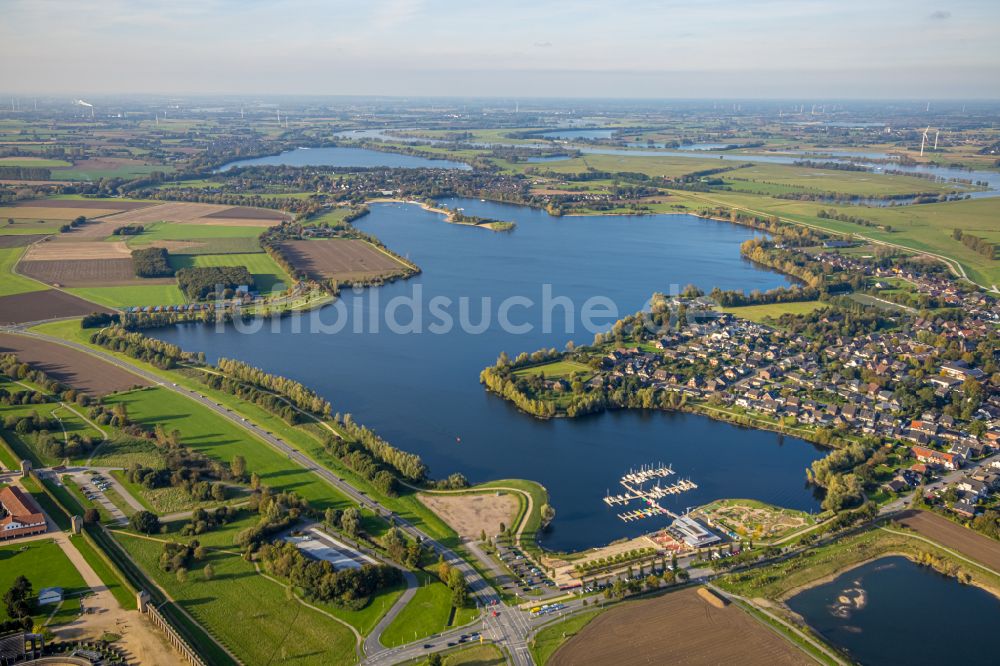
(68, 250)
(952, 535)
(860, 183)
(342, 259)
(52, 212)
(71, 367)
(677, 628)
(19, 240)
(248, 213)
(169, 212)
(87, 273)
(86, 204)
(46, 304)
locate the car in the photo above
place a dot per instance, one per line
(428, 646)
(452, 644)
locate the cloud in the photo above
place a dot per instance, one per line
(543, 45)
(940, 15)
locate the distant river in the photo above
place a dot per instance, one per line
(421, 391)
(882, 613)
(345, 157)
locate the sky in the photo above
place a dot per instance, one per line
(913, 49)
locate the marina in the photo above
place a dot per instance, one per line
(634, 490)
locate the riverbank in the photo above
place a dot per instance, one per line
(450, 216)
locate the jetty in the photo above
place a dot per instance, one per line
(636, 484)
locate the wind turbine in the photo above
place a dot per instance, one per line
(923, 140)
(936, 134)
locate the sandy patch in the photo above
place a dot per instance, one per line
(470, 515)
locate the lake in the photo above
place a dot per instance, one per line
(421, 390)
(344, 157)
(886, 619)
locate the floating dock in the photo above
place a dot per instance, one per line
(633, 484)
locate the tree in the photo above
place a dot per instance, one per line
(459, 588)
(350, 521)
(208, 572)
(17, 599)
(182, 575)
(238, 467)
(548, 513)
(146, 522)
(434, 660)
(91, 516)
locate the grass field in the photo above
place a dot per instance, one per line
(11, 282)
(69, 423)
(760, 313)
(268, 276)
(861, 183)
(557, 370)
(249, 614)
(131, 295)
(121, 592)
(427, 613)
(43, 162)
(45, 565)
(205, 431)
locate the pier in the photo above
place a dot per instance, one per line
(633, 483)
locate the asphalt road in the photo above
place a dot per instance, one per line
(508, 627)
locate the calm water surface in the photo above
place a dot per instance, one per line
(344, 157)
(881, 612)
(421, 391)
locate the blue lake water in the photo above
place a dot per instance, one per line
(421, 390)
(889, 604)
(345, 157)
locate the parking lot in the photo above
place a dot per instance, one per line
(528, 578)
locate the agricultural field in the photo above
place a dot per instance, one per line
(654, 166)
(86, 272)
(952, 535)
(45, 565)
(38, 305)
(340, 259)
(673, 628)
(267, 275)
(72, 367)
(198, 213)
(772, 311)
